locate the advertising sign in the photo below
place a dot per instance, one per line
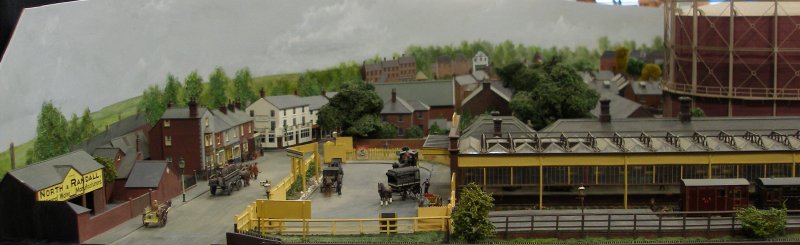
(74, 185)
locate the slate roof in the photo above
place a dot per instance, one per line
(406, 59)
(465, 79)
(373, 67)
(646, 88)
(608, 54)
(759, 125)
(146, 174)
(399, 106)
(418, 105)
(109, 153)
(117, 129)
(127, 143)
(620, 107)
(432, 93)
(330, 94)
(603, 75)
(47, 173)
(315, 102)
(436, 141)
(285, 101)
(778, 181)
(485, 124)
(496, 87)
(182, 113)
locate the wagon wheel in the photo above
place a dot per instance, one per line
(229, 189)
(404, 193)
(165, 219)
(143, 217)
(213, 190)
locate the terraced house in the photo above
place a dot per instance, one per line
(282, 121)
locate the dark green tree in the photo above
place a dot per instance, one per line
(73, 131)
(193, 87)
(559, 92)
(635, 67)
(243, 90)
(697, 112)
(109, 170)
(762, 224)
(349, 107)
(152, 104)
(435, 129)
(172, 91)
(87, 125)
(51, 133)
(414, 133)
(471, 216)
(217, 82)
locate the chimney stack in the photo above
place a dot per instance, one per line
(323, 93)
(384, 58)
(223, 109)
(394, 95)
(498, 128)
(487, 86)
(169, 104)
(262, 92)
(192, 107)
(605, 110)
(138, 150)
(238, 105)
(11, 154)
(231, 108)
(685, 115)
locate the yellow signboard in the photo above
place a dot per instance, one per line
(74, 185)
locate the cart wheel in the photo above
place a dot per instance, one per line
(213, 190)
(144, 223)
(404, 194)
(165, 219)
(229, 189)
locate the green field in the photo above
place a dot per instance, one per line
(112, 113)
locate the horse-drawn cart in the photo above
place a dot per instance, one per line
(228, 179)
(332, 178)
(404, 181)
(156, 214)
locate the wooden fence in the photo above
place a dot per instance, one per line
(372, 154)
(278, 191)
(307, 227)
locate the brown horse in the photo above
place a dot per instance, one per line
(385, 193)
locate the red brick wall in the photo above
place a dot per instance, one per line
(393, 119)
(186, 142)
(443, 70)
(393, 143)
(607, 64)
(461, 67)
(719, 107)
(445, 112)
(486, 100)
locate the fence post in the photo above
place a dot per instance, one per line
(608, 227)
(505, 236)
(533, 218)
(634, 224)
(708, 224)
(447, 231)
(235, 228)
(557, 225)
(660, 217)
(683, 231)
(733, 224)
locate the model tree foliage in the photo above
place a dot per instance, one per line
(51, 133)
(193, 86)
(635, 67)
(152, 104)
(435, 129)
(414, 132)
(762, 224)
(354, 110)
(243, 90)
(697, 112)
(109, 170)
(172, 91)
(621, 59)
(650, 72)
(550, 91)
(471, 216)
(217, 82)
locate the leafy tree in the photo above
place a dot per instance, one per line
(73, 131)
(559, 92)
(762, 223)
(603, 44)
(621, 59)
(193, 86)
(216, 88)
(471, 216)
(172, 91)
(109, 170)
(697, 112)
(635, 67)
(87, 125)
(51, 133)
(651, 72)
(243, 87)
(357, 106)
(152, 104)
(385, 131)
(435, 129)
(414, 133)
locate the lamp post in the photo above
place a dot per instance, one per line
(182, 165)
(582, 196)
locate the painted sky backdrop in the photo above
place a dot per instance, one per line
(94, 53)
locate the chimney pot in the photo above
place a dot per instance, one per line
(223, 109)
(498, 122)
(394, 95)
(295, 92)
(138, 151)
(262, 92)
(11, 154)
(685, 115)
(231, 108)
(605, 110)
(487, 85)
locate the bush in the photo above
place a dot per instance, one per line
(758, 223)
(414, 132)
(471, 217)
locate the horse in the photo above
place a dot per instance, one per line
(245, 173)
(385, 193)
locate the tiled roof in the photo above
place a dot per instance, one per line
(646, 88)
(47, 173)
(315, 102)
(399, 106)
(285, 101)
(181, 113)
(619, 107)
(418, 105)
(436, 141)
(432, 93)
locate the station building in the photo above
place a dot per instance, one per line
(621, 162)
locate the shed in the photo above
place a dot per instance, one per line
(714, 194)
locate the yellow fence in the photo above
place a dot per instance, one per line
(373, 154)
(346, 226)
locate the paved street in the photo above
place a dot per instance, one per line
(203, 220)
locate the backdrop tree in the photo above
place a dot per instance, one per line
(172, 91)
(152, 104)
(87, 125)
(193, 86)
(217, 82)
(243, 87)
(51, 133)
(621, 60)
(651, 72)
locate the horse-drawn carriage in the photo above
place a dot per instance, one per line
(332, 177)
(404, 181)
(228, 179)
(406, 158)
(156, 214)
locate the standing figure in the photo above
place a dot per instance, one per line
(426, 185)
(245, 173)
(254, 171)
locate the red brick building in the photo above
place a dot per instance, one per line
(177, 135)
(155, 176)
(436, 94)
(389, 71)
(491, 96)
(405, 114)
(445, 67)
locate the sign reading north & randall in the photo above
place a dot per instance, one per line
(74, 185)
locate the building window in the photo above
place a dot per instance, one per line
(400, 132)
(304, 120)
(250, 129)
(167, 140)
(400, 118)
(311, 122)
(206, 122)
(290, 136)
(241, 130)
(208, 140)
(272, 113)
(252, 114)
(168, 159)
(272, 125)
(271, 138)
(166, 123)
(294, 111)
(294, 121)
(226, 136)
(302, 109)
(284, 123)
(383, 117)
(284, 112)
(312, 112)
(419, 115)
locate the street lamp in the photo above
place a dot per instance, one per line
(582, 196)
(182, 165)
